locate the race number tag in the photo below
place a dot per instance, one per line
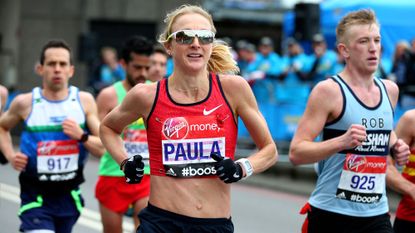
(187, 143)
(362, 179)
(135, 142)
(57, 160)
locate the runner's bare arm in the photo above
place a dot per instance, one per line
(20, 107)
(393, 91)
(106, 101)
(4, 95)
(400, 148)
(243, 102)
(397, 182)
(405, 130)
(93, 144)
(136, 104)
(324, 105)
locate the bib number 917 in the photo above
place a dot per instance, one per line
(57, 164)
(363, 182)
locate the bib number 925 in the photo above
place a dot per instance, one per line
(363, 182)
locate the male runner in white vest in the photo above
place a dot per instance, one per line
(60, 126)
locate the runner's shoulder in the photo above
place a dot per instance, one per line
(326, 90)
(408, 117)
(106, 94)
(233, 83)
(144, 90)
(86, 97)
(22, 100)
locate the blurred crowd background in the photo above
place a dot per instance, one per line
(283, 47)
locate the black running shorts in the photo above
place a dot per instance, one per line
(156, 220)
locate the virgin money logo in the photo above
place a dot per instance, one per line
(45, 148)
(175, 128)
(356, 163)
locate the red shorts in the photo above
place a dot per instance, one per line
(115, 194)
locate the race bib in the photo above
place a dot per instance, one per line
(187, 143)
(135, 142)
(362, 179)
(57, 160)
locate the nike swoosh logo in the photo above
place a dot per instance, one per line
(235, 176)
(208, 112)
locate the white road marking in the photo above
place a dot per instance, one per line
(89, 218)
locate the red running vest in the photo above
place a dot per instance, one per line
(406, 207)
(181, 137)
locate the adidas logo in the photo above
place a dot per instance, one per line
(171, 172)
(43, 178)
(341, 195)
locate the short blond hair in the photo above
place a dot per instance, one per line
(360, 17)
(221, 60)
(183, 10)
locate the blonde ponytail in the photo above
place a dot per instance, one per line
(221, 60)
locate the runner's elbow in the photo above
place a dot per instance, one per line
(294, 156)
(274, 153)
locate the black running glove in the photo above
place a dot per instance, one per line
(3, 159)
(133, 169)
(227, 170)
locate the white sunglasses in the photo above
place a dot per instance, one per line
(187, 36)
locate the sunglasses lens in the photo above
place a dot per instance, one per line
(205, 39)
(187, 36)
(184, 38)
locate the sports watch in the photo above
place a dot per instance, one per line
(247, 166)
(84, 137)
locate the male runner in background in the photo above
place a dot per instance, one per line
(60, 124)
(112, 191)
(158, 62)
(354, 111)
(405, 183)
